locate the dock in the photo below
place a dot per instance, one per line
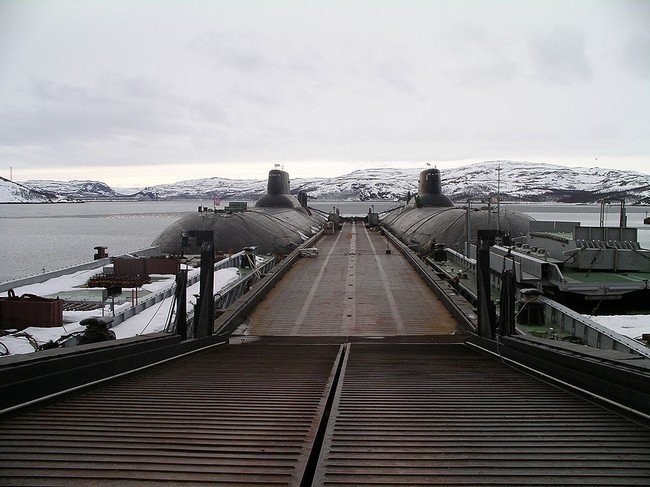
(350, 371)
(354, 288)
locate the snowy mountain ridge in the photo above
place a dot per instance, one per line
(75, 189)
(516, 181)
(11, 192)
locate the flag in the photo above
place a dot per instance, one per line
(217, 201)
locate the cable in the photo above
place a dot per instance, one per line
(602, 298)
(593, 261)
(172, 311)
(272, 217)
(30, 338)
(152, 317)
(573, 255)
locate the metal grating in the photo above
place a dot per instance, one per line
(243, 414)
(445, 415)
(353, 288)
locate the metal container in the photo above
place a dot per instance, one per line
(30, 310)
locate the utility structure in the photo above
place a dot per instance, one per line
(468, 219)
(204, 307)
(622, 220)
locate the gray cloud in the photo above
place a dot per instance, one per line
(237, 82)
(560, 56)
(636, 54)
(479, 58)
(251, 52)
(115, 110)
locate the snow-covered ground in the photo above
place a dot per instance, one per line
(632, 326)
(151, 320)
(154, 319)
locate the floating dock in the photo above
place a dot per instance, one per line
(354, 288)
(349, 372)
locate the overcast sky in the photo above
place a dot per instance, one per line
(144, 92)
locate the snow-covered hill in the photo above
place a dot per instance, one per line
(518, 181)
(521, 181)
(11, 192)
(226, 189)
(74, 190)
(546, 182)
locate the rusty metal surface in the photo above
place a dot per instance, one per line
(239, 415)
(445, 415)
(353, 288)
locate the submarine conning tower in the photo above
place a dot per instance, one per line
(277, 192)
(430, 190)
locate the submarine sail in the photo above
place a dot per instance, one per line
(430, 217)
(277, 223)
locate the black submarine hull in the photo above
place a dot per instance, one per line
(276, 224)
(425, 226)
(431, 217)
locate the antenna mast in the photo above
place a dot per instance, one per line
(499, 197)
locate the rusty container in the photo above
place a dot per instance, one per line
(30, 310)
(129, 267)
(162, 265)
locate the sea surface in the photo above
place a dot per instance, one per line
(35, 238)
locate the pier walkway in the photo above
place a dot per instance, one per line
(353, 288)
(348, 373)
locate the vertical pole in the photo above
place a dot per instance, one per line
(206, 297)
(469, 232)
(499, 197)
(489, 203)
(602, 213)
(181, 304)
(486, 309)
(623, 218)
(507, 304)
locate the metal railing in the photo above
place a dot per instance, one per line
(565, 319)
(228, 294)
(234, 260)
(591, 333)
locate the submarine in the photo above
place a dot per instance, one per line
(430, 218)
(277, 223)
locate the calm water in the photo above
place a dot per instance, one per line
(44, 237)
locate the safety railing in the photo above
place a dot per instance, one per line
(227, 295)
(234, 260)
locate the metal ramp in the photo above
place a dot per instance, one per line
(300, 414)
(235, 415)
(445, 415)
